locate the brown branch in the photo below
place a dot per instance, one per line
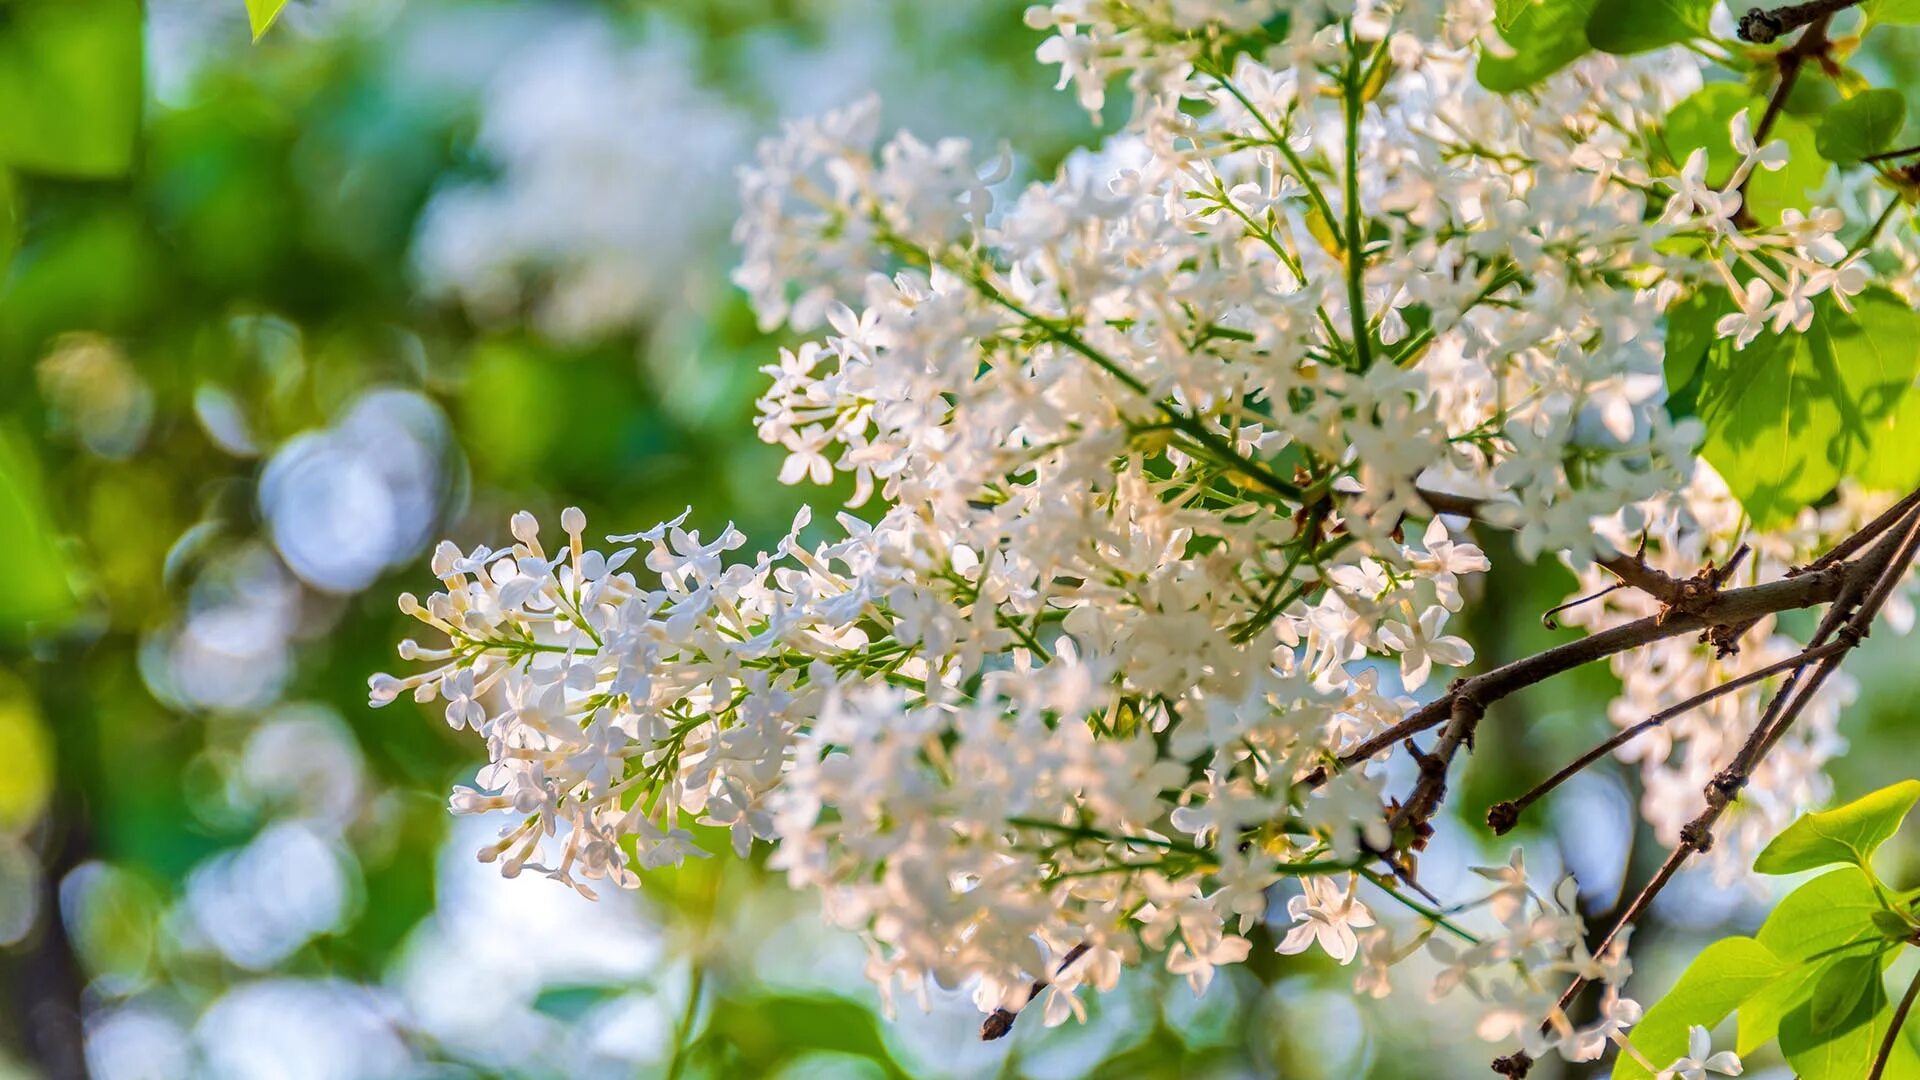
(1856, 591)
(1464, 715)
(1730, 606)
(1893, 1030)
(1884, 565)
(1763, 27)
(1694, 604)
(1632, 570)
(1790, 59)
(1501, 817)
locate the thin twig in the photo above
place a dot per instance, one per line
(1731, 606)
(1464, 713)
(1888, 155)
(1866, 534)
(999, 1023)
(1502, 817)
(1885, 565)
(1547, 617)
(1811, 43)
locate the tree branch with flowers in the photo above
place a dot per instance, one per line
(1166, 474)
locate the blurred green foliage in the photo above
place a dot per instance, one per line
(253, 235)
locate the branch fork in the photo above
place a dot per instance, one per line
(1866, 585)
(1693, 595)
(1854, 579)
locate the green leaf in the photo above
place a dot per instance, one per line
(1896, 472)
(1690, 336)
(1724, 975)
(261, 13)
(1700, 122)
(1631, 26)
(70, 86)
(1545, 36)
(1771, 191)
(1828, 916)
(1838, 988)
(570, 1003)
(1893, 12)
(1849, 833)
(1505, 12)
(1862, 125)
(1792, 414)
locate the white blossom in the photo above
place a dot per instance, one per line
(1149, 449)
(1700, 1059)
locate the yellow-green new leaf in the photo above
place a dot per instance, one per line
(1719, 980)
(261, 13)
(1893, 12)
(1845, 834)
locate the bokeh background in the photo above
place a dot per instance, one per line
(273, 319)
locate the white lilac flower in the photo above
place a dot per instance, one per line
(1148, 517)
(1700, 1059)
(1325, 915)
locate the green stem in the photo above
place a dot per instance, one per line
(1430, 914)
(1873, 232)
(1088, 833)
(1211, 440)
(1277, 602)
(683, 1031)
(1279, 142)
(1414, 344)
(1266, 236)
(1356, 238)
